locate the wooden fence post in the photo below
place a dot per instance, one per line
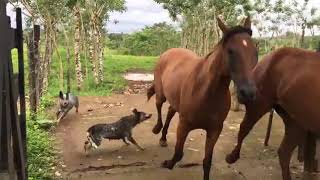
(33, 49)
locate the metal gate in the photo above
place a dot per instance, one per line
(12, 122)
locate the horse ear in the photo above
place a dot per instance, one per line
(247, 23)
(61, 95)
(224, 28)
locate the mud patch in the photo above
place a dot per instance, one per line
(137, 87)
(138, 76)
(138, 82)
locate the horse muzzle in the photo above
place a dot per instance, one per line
(247, 93)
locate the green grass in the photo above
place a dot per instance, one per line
(114, 68)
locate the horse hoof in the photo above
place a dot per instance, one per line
(163, 143)
(232, 158)
(167, 164)
(157, 128)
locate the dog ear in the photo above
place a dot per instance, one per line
(134, 110)
(61, 95)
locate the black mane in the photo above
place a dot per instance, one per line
(233, 31)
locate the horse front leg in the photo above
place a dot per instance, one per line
(245, 127)
(211, 139)
(182, 133)
(253, 114)
(163, 139)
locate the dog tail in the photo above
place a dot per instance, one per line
(151, 91)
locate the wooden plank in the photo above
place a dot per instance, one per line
(3, 130)
(8, 119)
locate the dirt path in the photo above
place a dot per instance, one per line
(113, 160)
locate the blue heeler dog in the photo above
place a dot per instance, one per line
(66, 103)
(121, 129)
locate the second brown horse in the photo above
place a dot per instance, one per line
(198, 88)
(287, 80)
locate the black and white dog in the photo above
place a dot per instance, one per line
(121, 129)
(66, 103)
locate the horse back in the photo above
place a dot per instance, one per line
(294, 74)
(172, 69)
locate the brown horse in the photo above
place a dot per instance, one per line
(288, 80)
(198, 88)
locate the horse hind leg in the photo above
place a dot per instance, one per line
(292, 138)
(160, 99)
(163, 139)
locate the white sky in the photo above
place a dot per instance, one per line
(144, 12)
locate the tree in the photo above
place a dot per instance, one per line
(152, 40)
(198, 20)
(98, 13)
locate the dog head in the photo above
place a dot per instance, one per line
(140, 116)
(63, 100)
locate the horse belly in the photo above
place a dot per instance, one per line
(171, 84)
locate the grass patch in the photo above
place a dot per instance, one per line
(41, 157)
(40, 144)
(114, 67)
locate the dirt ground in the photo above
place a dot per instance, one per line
(115, 161)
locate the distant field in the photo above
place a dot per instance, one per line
(114, 66)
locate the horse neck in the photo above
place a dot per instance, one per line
(214, 71)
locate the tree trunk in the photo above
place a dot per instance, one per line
(303, 30)
(45, 70)
(101, 54)
(34, 58)
(68, 69)
(92, 52)
(77, 46)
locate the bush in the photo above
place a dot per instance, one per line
(41, 153)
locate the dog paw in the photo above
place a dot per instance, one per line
(141, 149)
(167, 164)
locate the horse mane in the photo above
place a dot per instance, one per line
(233, 31)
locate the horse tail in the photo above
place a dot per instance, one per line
(151, 91)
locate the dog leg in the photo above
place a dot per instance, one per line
(130, 138)
(124, 140)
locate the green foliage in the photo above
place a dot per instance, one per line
(41, 153)
(150, 41)
(178, 7)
